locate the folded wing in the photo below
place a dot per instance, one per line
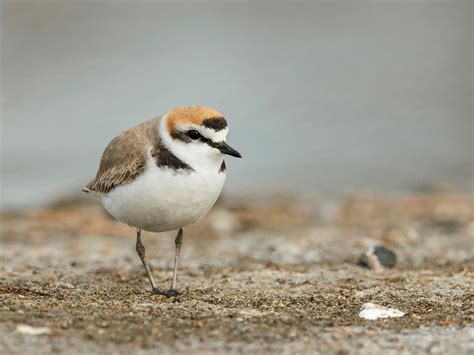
(125, 157)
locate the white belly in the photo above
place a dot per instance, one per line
(161, 199)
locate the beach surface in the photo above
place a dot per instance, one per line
(275, 276)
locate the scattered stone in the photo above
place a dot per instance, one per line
(400, 236)
(29, 330)
(249, 313)
(378, 257)
(365, 293)
(67, 285)
(373, 311)
(146, 305)
(359, 294)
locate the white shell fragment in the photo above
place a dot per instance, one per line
(27, 329)
(373, 311)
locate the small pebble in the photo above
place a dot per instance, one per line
(61, 284)
(373, 311)
(378, 257)
(29, 330)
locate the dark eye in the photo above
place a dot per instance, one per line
(193, 134)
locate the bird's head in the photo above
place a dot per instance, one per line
(197, 135)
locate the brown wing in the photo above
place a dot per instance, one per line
(125, 156)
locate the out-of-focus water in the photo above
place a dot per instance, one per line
(319, 96)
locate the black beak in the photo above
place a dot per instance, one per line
(227, 149)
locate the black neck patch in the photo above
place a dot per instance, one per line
(165, 158)
(216, 123)
(223, 168)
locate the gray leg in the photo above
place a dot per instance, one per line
(141, 253)
(178, 241)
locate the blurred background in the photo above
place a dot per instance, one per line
(355, 120)
(320, 96)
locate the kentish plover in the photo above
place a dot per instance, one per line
(164, 174)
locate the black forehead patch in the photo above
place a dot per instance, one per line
(216, 123)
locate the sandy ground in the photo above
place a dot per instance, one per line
(270, 277)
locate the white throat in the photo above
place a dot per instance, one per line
(200, 157)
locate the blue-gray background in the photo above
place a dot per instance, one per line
(320, 96)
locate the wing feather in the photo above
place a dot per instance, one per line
(125, 156)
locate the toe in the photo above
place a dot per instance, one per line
(167, 293)
(173, 293)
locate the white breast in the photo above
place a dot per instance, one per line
(163, 199)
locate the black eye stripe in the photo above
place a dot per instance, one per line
(184, 137)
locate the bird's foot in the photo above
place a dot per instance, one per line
(168, 293)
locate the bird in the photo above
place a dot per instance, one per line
(164, 174)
